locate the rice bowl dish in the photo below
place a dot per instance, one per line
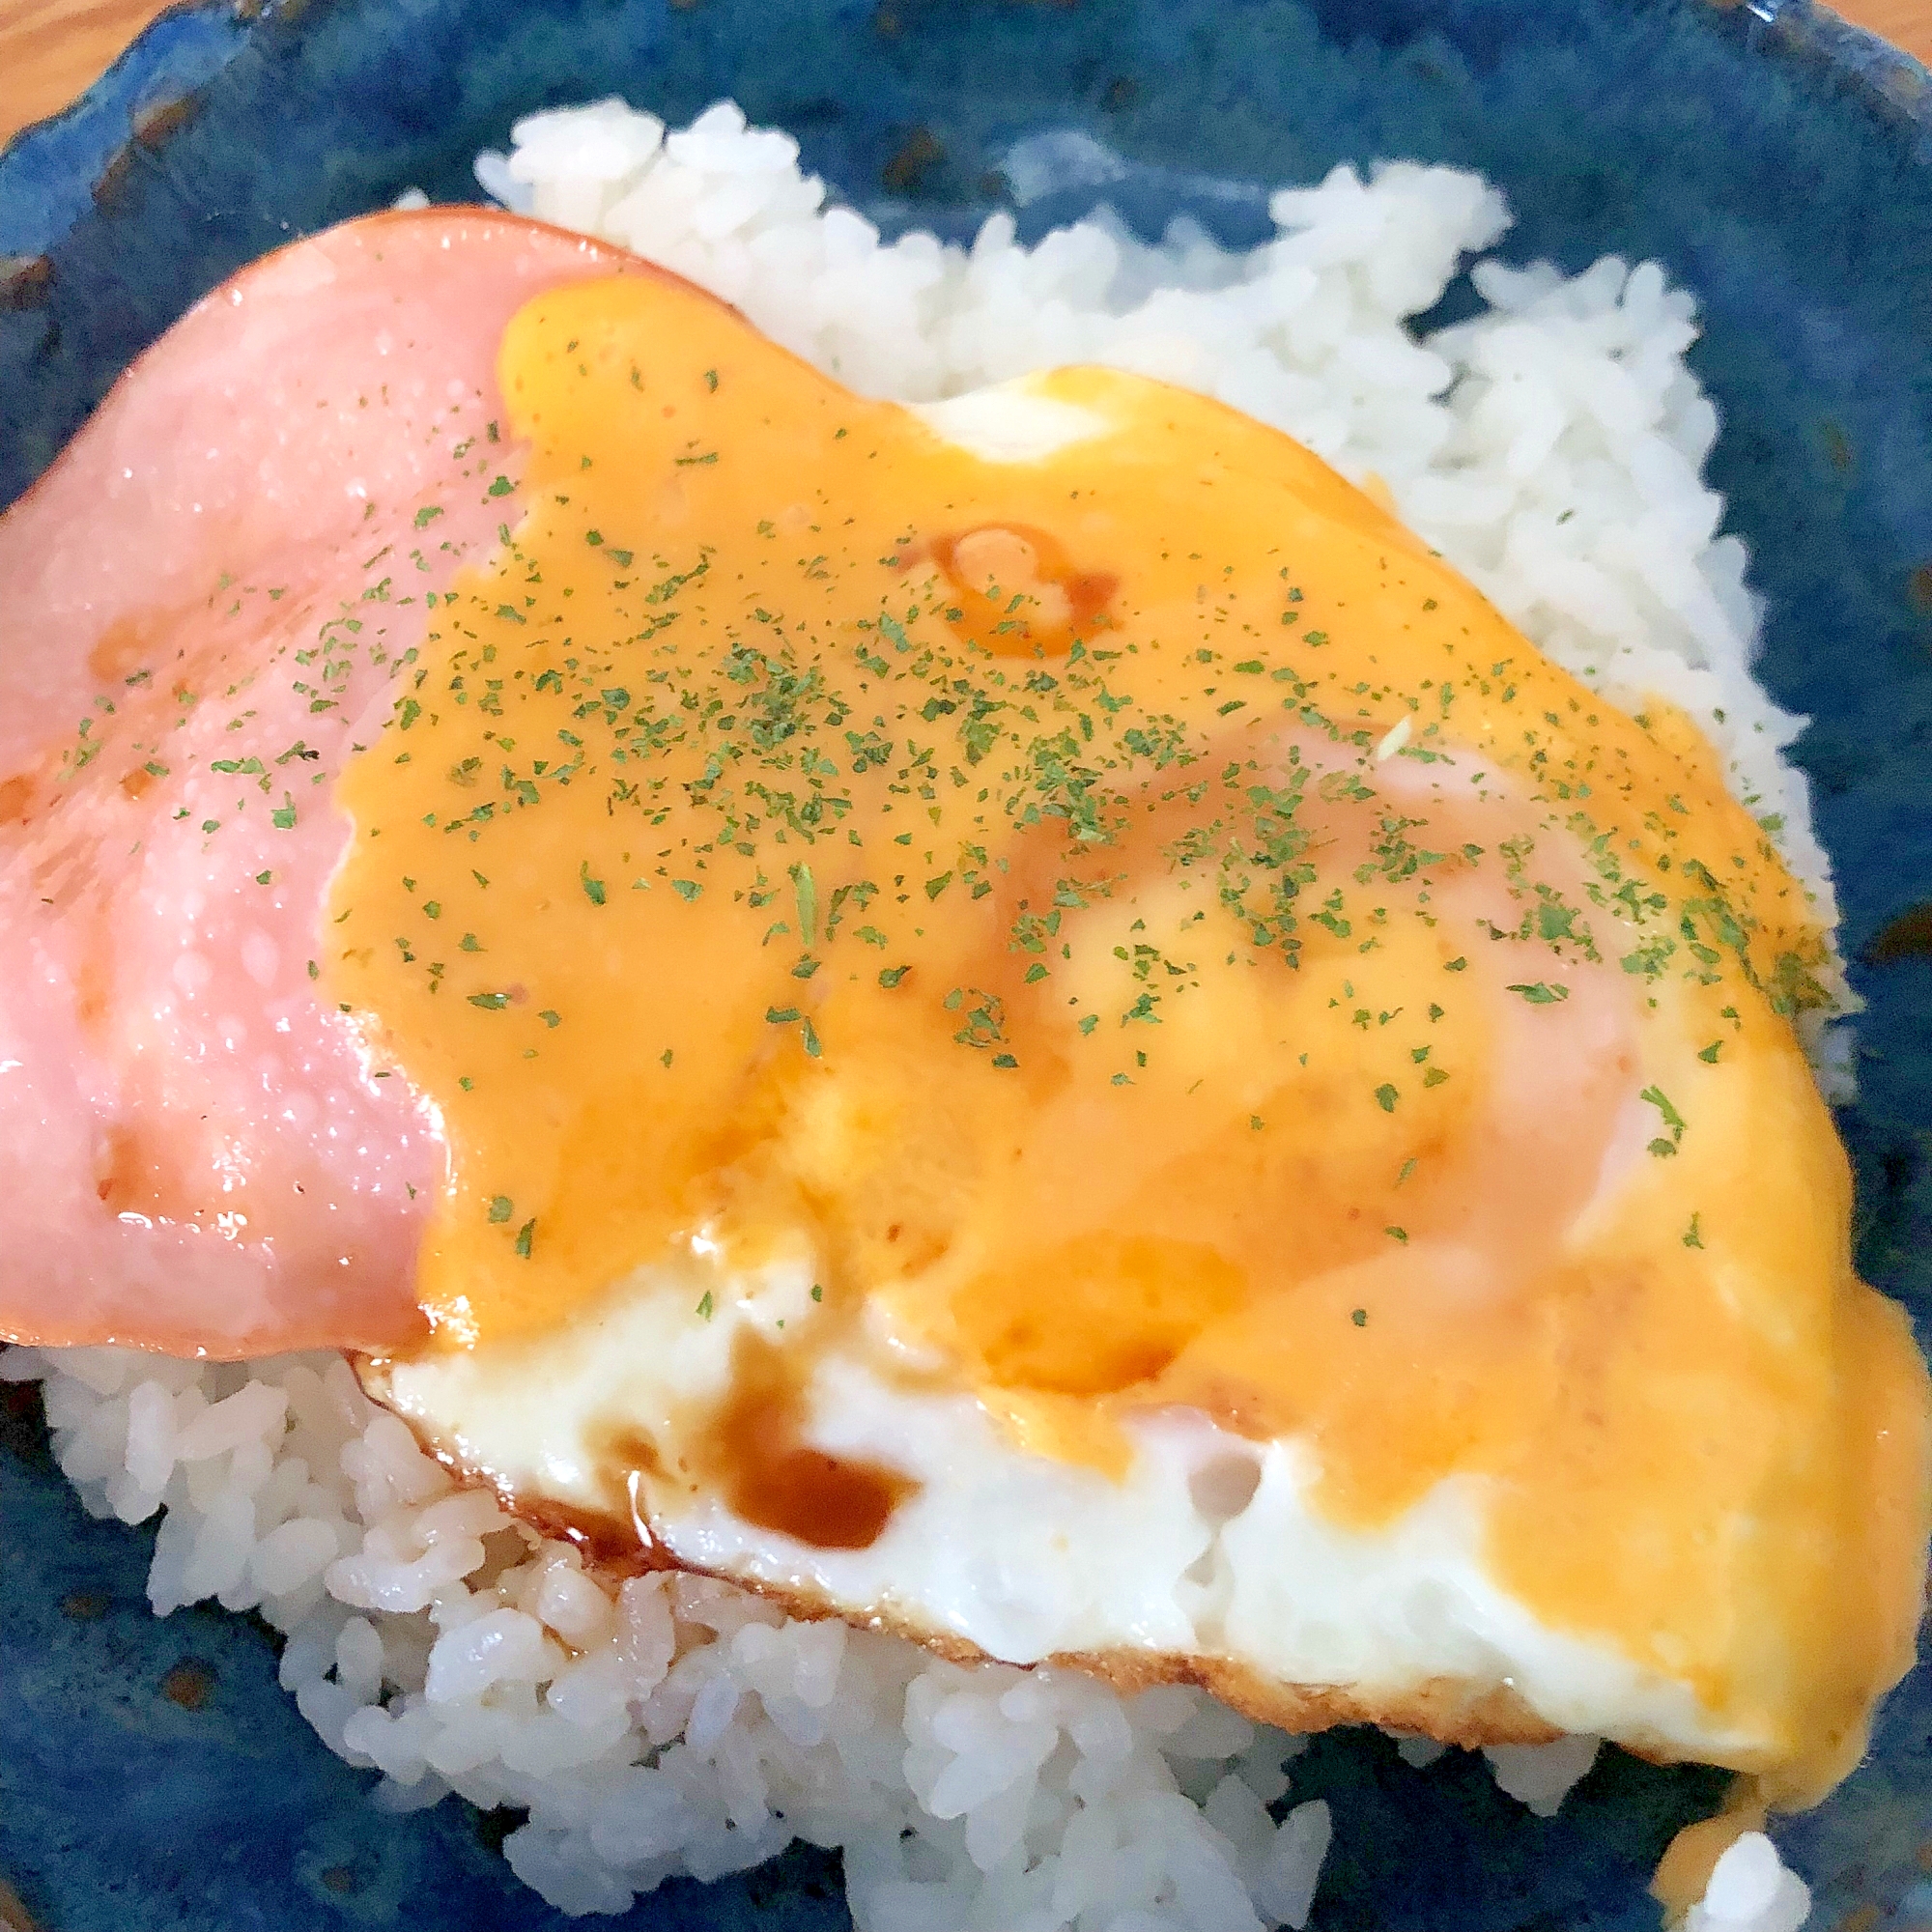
(1550, 450)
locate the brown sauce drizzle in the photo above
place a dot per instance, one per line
(754, 1447)
(1019, 592)
(130, 1175)
(125, 646)
(610, 1544)
(16, 799)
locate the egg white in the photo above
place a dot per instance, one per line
(1206, 1560)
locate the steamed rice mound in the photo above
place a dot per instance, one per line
(1550, 448)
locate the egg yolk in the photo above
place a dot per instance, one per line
(1153, 936)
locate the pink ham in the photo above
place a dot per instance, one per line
(206, 602)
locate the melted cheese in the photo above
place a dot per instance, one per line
(1140, 936)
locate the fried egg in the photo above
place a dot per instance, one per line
(1051, 1036)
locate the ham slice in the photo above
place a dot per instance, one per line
(207, 602)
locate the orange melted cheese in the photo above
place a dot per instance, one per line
(999, 881)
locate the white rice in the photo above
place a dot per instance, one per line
(1550, 448)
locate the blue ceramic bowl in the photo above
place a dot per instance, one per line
(1780, 163)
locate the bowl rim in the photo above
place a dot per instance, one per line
(147, 93)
